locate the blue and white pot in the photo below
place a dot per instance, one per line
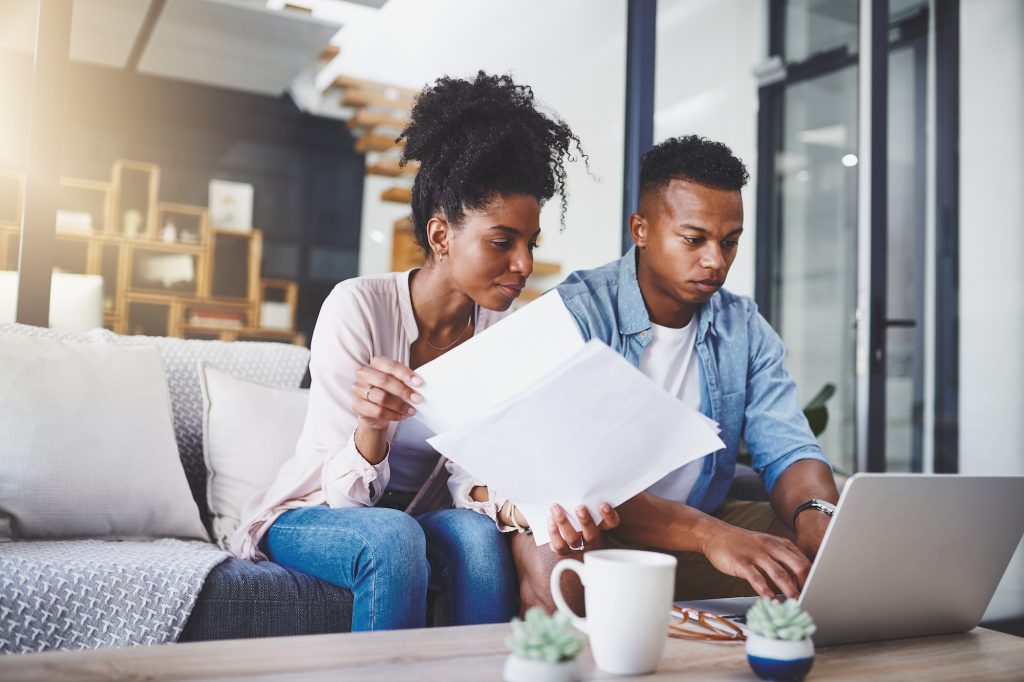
(777, 659)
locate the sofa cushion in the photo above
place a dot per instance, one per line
(245, 599)
(276, 364)
(249, 431)
(88, 445)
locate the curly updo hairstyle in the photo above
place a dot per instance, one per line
(475, 139)
(693, 158)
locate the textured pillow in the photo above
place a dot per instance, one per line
(278, 364)
(249, 430)
(87, 444)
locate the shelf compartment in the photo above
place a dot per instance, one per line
(135, 187)
(89, 199)
(189, 224)
(163, 271)
(234, 268)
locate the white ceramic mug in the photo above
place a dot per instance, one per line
(628, 595)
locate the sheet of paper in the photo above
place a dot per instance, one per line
(594, 430)
(497, 364)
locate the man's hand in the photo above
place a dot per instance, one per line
(770, 564)
(811, 525)
(801, 481)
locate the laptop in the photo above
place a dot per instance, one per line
(907, 555)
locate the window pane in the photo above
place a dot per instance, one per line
(814, 292)
(813, 26)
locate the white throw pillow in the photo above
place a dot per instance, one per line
(249, 431)
(87, 444)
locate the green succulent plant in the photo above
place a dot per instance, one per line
(775, 620)
(544, 638)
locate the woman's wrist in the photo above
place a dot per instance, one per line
(372, 444)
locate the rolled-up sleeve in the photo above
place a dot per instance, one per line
(775, 429)
(351, 481)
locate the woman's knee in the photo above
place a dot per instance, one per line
(350, 545)
(466, 536)
(393, 535)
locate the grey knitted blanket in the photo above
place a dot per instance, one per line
(85, 594)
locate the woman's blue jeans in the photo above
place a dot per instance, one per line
(388, 559)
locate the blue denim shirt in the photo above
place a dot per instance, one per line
(744, 386)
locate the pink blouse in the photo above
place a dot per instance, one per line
(361, 318)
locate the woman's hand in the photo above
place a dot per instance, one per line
(384, 392)
(565, 539)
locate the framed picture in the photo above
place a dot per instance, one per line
(230, 205)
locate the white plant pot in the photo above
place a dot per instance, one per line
(530, 670)
(777, 659)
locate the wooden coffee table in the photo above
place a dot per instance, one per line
(478, 653)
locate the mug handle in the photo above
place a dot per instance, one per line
(556, 589)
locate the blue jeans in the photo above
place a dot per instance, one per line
(388, 559)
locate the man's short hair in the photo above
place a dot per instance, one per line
(693, 158)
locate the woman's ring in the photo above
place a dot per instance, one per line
(367, 395)
(577, 549)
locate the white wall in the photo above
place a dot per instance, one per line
(991, 253)
(706, 53)
(571, 52)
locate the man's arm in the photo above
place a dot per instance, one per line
(785, 451)
(801, 481)
(770, 564)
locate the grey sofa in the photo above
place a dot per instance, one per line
(239, 598)
(242, 598)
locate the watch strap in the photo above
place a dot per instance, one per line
(826, 508)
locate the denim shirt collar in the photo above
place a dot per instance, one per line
(633, 315)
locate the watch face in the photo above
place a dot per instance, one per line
(824, 506)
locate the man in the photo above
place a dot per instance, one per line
(663, 308)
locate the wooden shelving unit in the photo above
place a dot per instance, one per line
(165, 271)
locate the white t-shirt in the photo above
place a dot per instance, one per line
(670, 360)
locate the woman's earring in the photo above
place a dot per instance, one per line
(442, 257)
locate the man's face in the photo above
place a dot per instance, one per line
(688, 235)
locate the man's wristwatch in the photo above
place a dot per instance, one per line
(826, 508)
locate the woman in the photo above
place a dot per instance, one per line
(488, 160)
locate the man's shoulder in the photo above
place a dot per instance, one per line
(732, 304)
(602, 280)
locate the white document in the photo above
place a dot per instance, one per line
(594, 429)
(497, 364)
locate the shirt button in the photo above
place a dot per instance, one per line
(643, 333)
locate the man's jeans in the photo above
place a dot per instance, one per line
(388, 558)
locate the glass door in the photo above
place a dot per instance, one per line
(807, 260)
(814, 290)
(906, 253)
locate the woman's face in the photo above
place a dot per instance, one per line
(490, 254)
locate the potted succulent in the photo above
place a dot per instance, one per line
(543, 648)
(779, 645)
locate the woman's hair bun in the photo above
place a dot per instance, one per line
(475, 138)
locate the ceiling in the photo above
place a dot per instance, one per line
(235, 44)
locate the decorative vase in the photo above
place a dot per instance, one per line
(778, 659)
(519, 669)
